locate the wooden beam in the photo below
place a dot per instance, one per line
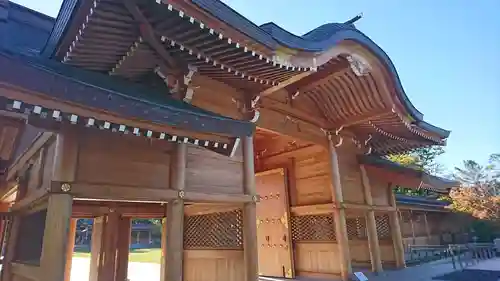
(276, 122)
(286, 109)
(329, 208)
(371, 224)
(365, 207)
(250, 246)
(339, 214)
(34, 200)
(9, 193)
(147, 32)
(360, 119)
(327, 72)
(191, 196)
(106, 192)
(98, 208)
(313, 209)
(175, 218)
(281, 85)
(47, 101)
(117, 192)
(21, 161)
(55, 237)
(209, 208)
(297, 153)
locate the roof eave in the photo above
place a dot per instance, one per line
(282, 37)
(66, 12)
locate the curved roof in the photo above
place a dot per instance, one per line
(319, 39)
(225, 46)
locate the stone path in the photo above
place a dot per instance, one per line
(151, 272)
(137, 271)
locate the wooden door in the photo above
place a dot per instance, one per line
(273, 224)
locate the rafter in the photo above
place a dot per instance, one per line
(281, 85)
(148, 34)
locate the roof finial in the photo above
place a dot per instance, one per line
(354, 19)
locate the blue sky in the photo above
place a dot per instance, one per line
(447, 54)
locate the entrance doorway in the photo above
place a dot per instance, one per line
(273, 224)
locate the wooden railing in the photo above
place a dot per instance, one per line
(460, 255)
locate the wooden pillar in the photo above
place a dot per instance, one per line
(163, 247)
(96, 248)
(69, 249)
(59, 209)
(339, 213)
(10, 248)
(427, 230)
(55, 237)
(371, 224)
(123, 248)
(103, 251)
(250, 213)
(175, 217)
(412, 227)
(397, 238)
(110, 247)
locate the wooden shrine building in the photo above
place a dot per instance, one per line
(249, 141)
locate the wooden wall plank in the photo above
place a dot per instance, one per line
(210, 172)
(214, 265)
(123, 160)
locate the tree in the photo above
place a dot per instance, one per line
(478, 194)
(423, 158)
(477, 201)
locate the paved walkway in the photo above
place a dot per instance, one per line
(151, 272)
(137, 271)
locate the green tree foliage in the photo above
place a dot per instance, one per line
(421, 158)
(147, 221)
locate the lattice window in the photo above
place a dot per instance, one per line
(214, 231)
(356, 228)
(383, 226)
(313, 228)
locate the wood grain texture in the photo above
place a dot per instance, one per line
(123, 160)
(312, 181)
(213, 265)
(273, 232)
(209, 172)
(352, 187)
(55, 238)
(217, 97)
(316, 258)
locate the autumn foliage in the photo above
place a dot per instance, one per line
(478, 201)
